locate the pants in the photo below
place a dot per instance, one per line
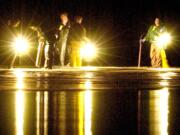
(75, 54)
(48, 56)
(62, 54)
(158, 57)
(62, 47)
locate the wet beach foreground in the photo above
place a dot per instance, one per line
(90, 101)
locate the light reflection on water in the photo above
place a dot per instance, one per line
(20, 102)
(89, 112)
(159, 112)
(42, 113)
(75, 112)
(88, 107)
(38, 113)
(81, 113)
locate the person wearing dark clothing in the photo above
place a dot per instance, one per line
(76, 36)
(62, 36)
(49, 49)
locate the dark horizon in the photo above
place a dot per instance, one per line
(115, 27)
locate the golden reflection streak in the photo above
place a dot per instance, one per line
(46, 113)
(164, 83)
(20, 76)
(88, 85)
(62, 113)
(164, 111)
(81, 113)
(42, 113)
(85, 108)
(159, 112)
(87, 68)
(38, 113)
(20, 112)
(88, 75)
(88, 112)
(167, 75)
(20, 102)
(88, 107)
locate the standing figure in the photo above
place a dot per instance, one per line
(157, 54)
(62, 36)
(49, 49)
(76, 37)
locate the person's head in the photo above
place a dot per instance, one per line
(78, 19)
(64, 18)
(157, 21)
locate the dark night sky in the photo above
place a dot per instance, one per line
(115, 25)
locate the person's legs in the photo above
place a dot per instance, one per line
(48, 56)
(73, 54)
(155, 55)
(62, 54)
(79, 58)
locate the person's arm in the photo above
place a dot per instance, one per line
(148, 35)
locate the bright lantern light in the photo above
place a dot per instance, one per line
(163, 40)
(20, 44)
(88, 51)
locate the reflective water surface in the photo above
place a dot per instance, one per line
(95, 101)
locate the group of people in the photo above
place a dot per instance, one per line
(66, 41)
(70, 36)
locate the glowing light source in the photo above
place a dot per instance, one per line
(88, 51)
(163, 40)
(20, 44)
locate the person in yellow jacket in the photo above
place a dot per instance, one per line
(77, 34)
(157, 54)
